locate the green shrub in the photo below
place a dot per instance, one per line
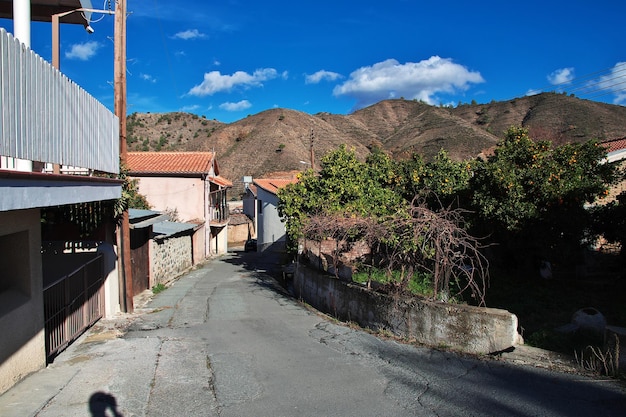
(420, 284)
(158, 288)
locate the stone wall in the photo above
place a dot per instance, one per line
(460, 327)
(169, 258)
(319, 253)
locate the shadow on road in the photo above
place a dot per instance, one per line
(263, 265)
(100, 402)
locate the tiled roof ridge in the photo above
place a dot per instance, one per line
(170, 152)
(272, 185)
(172, 162)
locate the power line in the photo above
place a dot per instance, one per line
(597, 84)
(593, 75)
(602, 82)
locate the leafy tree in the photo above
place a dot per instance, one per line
(343, 185)
(446, 179)
(297, 201)
(351, 201)
(531, 195)
(441, 181)
(130, 194)
(382, 169)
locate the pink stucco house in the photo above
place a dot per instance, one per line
(189, 185)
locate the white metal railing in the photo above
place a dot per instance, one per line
(47, 117)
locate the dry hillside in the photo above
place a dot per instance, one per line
(279, 139)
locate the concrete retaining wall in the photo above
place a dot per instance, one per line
(464, 328)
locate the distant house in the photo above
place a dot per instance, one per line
(186, 185)
(616, 154)
(271, 232)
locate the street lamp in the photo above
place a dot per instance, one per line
(56, 46)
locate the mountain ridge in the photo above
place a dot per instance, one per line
(279, 140)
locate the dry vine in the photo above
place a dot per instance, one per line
(430, 241)
(456, 255)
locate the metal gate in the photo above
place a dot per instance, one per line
(140, 259)
(72, 304)
(140, 268)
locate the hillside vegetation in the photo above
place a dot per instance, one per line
(281, 139)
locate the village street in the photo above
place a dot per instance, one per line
(224, 340)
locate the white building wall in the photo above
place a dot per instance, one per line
(111, 280)
(271, 230)
(219, 242)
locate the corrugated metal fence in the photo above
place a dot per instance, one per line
(47, 117)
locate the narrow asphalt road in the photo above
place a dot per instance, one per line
(224, 340)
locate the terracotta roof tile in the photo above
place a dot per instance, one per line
(170, 162)
(272, 185)
(252, 189)
(614, 144)
(221, 181)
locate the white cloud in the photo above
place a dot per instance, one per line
(83, 51)
(620, 98)
(215, 82)
(189, 34)
(148, 77)
(240, 105)
(533, 92)
(321, 75)
(190, 109)
(614, 82)
(561, 76)
(412, 80)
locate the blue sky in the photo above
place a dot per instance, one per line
(229, 59)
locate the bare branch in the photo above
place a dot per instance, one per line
(429, 241)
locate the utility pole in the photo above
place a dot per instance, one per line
(312, 153)
(123, 235)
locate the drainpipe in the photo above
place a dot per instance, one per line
(207, 213)
(21, 30)
(21, 21)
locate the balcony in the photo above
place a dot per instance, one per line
(49, 121)
(219, 212)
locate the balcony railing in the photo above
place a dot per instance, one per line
(219, 211)
(46, 117)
